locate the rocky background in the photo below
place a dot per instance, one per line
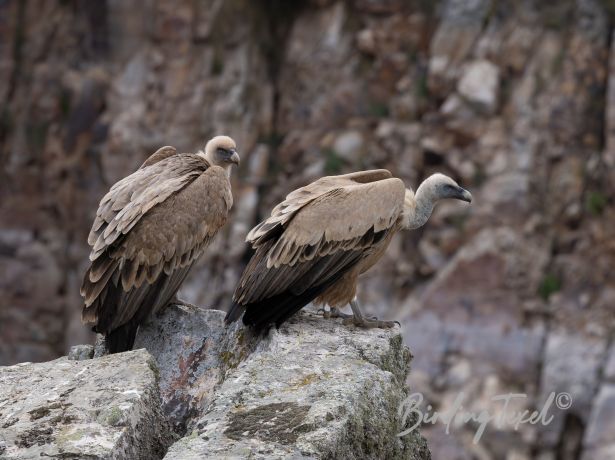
(516, 100)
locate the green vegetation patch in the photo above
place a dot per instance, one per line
(550, 284)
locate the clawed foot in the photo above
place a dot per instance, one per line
(371, 323)
(367, 323)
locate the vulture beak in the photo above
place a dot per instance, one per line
(234, 158)
(464, 195)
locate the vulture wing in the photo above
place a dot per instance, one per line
(312, 239)
(158, 155)
(285, 211)
(149, 230)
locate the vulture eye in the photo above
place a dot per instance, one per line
(450, 188)
(222, 152)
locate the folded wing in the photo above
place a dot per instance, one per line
(149, 230)
(312, 239)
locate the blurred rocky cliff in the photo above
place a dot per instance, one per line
(516, 100)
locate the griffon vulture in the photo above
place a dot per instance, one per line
(319, 240)
(149, 230)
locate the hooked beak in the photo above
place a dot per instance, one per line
(464, 195)
(234, 158)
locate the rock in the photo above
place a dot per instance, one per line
(609, 368)
(479, 85)
(101, 408)
(542, 165)
(600, 434)
(461, 24)
(572, 365)
(313, 388)
(81, 352)
(349, 145)
(187, 345)
(506, 266)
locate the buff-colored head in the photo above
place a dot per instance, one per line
(221, 151)
(419, 206)
(438, 187)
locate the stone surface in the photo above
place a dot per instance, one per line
(600, 432)
(609, 368)
(479, 84)
(349, 145)
(81, 352)
(189, 345)
(313, 388)
(103, 408)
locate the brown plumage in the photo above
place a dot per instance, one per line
(319, 240)
(149, 230)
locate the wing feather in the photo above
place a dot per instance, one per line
(158, 155)
(285, 211)
(338, 219)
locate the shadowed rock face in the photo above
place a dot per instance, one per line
(312, 389)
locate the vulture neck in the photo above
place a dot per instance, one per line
(418, 206)
(208, 158)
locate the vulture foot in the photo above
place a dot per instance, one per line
(371, 322)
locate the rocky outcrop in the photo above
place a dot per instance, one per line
(103, 408)
(312, 389)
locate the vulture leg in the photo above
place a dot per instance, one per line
(101, 348)
(360, 321)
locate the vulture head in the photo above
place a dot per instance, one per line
(438, 186)
(418, 206)
(221, 151)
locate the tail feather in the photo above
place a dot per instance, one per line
(234, 313)
(275, 310)
(122, 338)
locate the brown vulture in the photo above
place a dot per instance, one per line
(149, 230)
(319, 240)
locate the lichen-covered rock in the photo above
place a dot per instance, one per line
(101, 408)
(187, 344)
(314, 388)
(81, 352)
